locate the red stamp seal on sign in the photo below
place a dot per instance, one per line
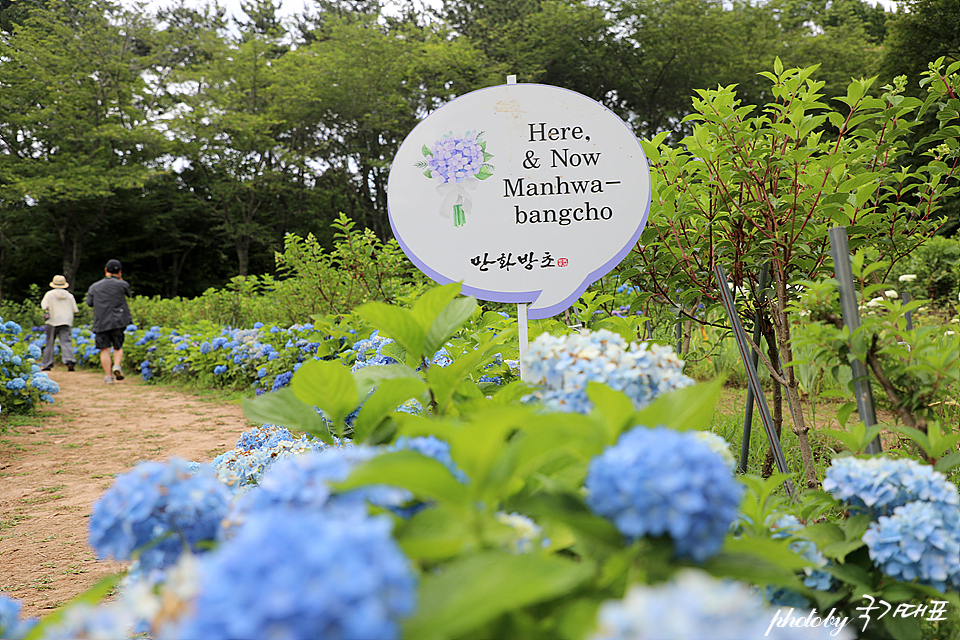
(562, 262)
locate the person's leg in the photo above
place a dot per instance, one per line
(64, 334)
(47, 362)
(105, 363)
(118, 337)
(117, 362)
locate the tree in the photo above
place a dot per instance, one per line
(751, 188)
(230, 133)
(921, 31)
(352, 96)
(77, 116)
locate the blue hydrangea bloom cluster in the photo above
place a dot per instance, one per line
(788, 527)
(352, 582)
(564, 365)
(456, 159)
(880, 485)
(259, 356)
(919, 542)
(657, 482)
(694, 605)
(303, 481)
(22, 383)
(257, 450)
(368, 352)
(174, 502)
(11, 626)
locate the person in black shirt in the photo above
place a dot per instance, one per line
(111, 315)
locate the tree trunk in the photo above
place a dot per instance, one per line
(782, 324)
(774, 355)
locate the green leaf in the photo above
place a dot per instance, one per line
(390, 394)
(475, 590)
(434, 534)
(426, 151)
(398, 324)
(485, 172)
(612, 407)
(369, 377)
(284, 409)
(327, 384)
(423, 476)
(447, 322)
(947, 462)
(902, 628)
(684, 409)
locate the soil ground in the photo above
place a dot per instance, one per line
(54, 466)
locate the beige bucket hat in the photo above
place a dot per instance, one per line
(59, 282)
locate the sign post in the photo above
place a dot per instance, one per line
(524, 193)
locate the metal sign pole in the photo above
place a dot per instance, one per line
(752, 377)
(840, 250)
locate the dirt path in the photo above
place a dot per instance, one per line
(55, 467)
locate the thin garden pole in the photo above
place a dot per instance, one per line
(752, 378)
(523, 336)
(754, 358)
(908, 314)
(840, 250)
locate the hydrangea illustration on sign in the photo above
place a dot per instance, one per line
(457, 164)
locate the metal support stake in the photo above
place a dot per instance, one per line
(840, 250)
(908, 314)
(755, 359)
(752, 377)
(678, 331)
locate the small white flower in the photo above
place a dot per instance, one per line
(949, 333)
(907, 277)
(876, 302)
(891, 293)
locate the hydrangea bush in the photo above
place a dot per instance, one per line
(22, 383)
(486, 516)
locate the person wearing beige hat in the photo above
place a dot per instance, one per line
(58, 306)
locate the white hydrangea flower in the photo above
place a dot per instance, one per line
(907, 277)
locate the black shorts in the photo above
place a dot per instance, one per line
(110, 338)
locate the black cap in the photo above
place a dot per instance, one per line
(113, 266)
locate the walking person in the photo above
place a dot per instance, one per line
(111, 315)
(58, 306)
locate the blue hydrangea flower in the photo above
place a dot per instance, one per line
(656, 482)
(303, 481)
(257, 450)
(296, 574)
(920, 541)
(282, 380)
(880, 485)
(788, 527)
(34, 351)
(11, 626)
(696, 606)
(564, 365)
(171, 502)
(220, 369)
(15, 384)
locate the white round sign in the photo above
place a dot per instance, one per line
(526, 193)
